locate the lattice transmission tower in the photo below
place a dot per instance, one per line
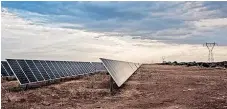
(210, 47)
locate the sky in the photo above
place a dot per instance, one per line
(130, 31)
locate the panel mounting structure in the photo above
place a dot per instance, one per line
(120, 71)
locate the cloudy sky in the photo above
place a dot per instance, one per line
(130, 31)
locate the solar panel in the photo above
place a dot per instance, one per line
(47, 69)
(66, 68)
(3, 71)
(53, 69)
(7, 68)
(62, 68)
(41, 69)
(71, 70)
(74, 67)
(120, 71)
(91, 67)
(59, 70)
(84, 67)
(27, 70)
(133, 66)
(35, 70)
(18, 72)
(78, 67)
(98, 66)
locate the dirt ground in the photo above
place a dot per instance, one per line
(152, 86)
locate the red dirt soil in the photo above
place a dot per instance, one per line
(152, 86)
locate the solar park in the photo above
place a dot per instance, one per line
(110, 84)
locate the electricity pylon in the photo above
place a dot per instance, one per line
(210, 47)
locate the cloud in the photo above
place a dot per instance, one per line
(135, 31)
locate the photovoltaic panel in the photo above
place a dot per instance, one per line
(120, 71)
(78, 67)
(53, 69)
(3, 71)
(98, 66)
(133, 66)
(66, 68)
(91, 67)
(7, 68)
(34, 69)
(74, 67)
(18, 71)
(62, 69)
(83, 66)
(47, 69)
(27, 70)
(41, 69)
(60, 72)
(69, 68)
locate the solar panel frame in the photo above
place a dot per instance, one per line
(35, 70)
(12, 66)
(27, 71)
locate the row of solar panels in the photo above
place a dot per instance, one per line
(31, 71)
(120, 71)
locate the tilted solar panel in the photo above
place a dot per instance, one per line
(72, 71)
(91, 67)
(3, 71)
(59, 70)
(78, 67)
(47, 69)
(42, 70)
(60, 64)
(18, 72)
(133, 66)
(7, 68)
(66, 68)
(27, 71)
(35, 70)
(98, 66)
(86, 67)
(53, 69)
(74, 67)
(120, 71)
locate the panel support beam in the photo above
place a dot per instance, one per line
(111, 86)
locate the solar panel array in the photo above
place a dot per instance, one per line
(31, 71)
(5, 69)
(98, 66)
(120, 71)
